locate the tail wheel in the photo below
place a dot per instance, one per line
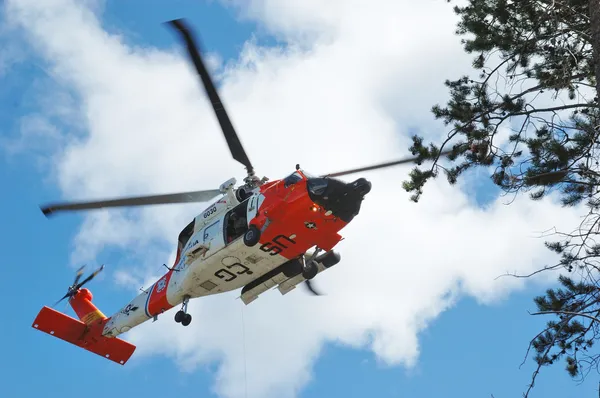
(252, 236)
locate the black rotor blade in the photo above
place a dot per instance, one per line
(89, 278)
(235, 146)
(70, 292)
(379, 166)
(78, 275)
(182, 197)
(73, 289)
(63, 297)
(310, 287)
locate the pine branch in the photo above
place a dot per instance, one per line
(567, 313)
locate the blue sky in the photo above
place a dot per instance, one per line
(470, 351)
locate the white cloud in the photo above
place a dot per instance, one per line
(343, 98)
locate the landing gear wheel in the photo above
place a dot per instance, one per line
(252, 236)
(186, 320)
(310, 270)
(180, 316)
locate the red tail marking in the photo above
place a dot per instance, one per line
(83, 307)
(76, 332)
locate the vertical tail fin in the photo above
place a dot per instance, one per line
(82, 304)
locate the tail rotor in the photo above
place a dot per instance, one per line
(72, 290)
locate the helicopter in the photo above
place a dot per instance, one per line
(256, 236)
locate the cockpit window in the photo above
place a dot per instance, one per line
(317, 186)
(186, 234)
(291, 179)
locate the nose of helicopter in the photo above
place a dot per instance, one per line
(362, 186)
(341, 198)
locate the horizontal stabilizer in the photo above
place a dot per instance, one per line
(73, 331)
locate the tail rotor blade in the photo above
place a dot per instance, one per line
(89, 278)
(78, 274)
(63, 297)
(75, 286)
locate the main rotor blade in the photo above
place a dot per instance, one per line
(379, 166)
(183, 197)
(310, 287)
(235, 146)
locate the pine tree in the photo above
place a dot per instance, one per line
(535, 75)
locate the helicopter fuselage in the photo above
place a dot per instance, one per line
(255, 237)
(215, 256)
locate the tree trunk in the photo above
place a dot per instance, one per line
(594, 10)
